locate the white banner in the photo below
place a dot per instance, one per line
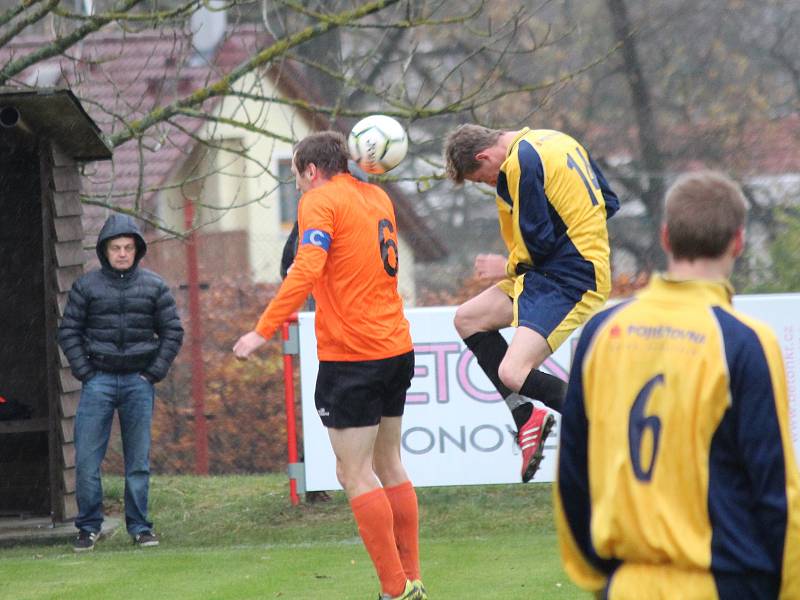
(456, 428)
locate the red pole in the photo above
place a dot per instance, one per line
(291, 431)
(198, 384)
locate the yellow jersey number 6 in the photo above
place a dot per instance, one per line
(638, 424)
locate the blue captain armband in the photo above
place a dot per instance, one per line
(317, 237)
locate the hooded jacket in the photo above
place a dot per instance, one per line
(120, 321)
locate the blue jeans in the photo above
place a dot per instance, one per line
(132, 396)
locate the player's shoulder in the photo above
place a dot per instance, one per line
(736, 326)
(375, 193)
(544, 148)
(551, 141)
(340, 186)
(322, 197)
(749, 344)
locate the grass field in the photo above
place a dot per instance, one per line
(238, 538)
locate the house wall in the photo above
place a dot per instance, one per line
(241, 190)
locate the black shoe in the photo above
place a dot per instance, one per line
(85, 541)
(145, 538)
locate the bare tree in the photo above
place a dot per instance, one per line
(650, 87)
(409, 59)
(694, 84)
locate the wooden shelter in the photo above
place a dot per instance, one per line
(44, 135)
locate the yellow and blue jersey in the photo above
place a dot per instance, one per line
(677, 476)
(553, 202)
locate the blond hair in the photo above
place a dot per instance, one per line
(461, 146)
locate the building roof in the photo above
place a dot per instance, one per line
(59, 113)
(121, 77)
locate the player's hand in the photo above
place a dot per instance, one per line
(490, 266)
(247, 344)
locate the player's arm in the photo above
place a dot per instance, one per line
(610, 199)
(573, 506)
(506, 221)
(760, 401)
(316, 234)
(525, 177)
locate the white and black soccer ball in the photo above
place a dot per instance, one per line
(377, 143)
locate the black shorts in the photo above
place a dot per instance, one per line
(359, 393)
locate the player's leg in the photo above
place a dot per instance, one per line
(519, 370)
(546, 314)
(394, 378)
(478, 322)
(541, 309)
(527, 351)
(401, 494)
(372, 511)
(389, 468)
(386, 460)
(353, 448)
(490, 310)
(348, 402)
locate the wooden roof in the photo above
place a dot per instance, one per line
(57, 115)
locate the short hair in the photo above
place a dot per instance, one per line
(461, 146)
(703, 211)
(107, 241)
(325, 149)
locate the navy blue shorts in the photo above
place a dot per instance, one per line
(552, 310)
(360, 393)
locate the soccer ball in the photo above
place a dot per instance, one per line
(377, 143)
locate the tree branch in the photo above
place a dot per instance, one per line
(29, 20)
(15, 10)
(224, 85)
(61, 44)
(155, 17)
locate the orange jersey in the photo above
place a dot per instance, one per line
(347, 258)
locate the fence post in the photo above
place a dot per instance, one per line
(291, 347)
(198, 383)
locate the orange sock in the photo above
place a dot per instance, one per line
(403, 499)
(373, 515)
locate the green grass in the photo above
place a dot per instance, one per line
(238, 538)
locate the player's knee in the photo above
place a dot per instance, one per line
(340, 474)
(389, 471)
(464, 322)
(511, 377)
(380, 466)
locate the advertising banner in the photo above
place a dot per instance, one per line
(456, 428)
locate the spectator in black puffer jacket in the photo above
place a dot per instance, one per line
(120, 333)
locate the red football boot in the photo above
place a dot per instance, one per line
(530, 438)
